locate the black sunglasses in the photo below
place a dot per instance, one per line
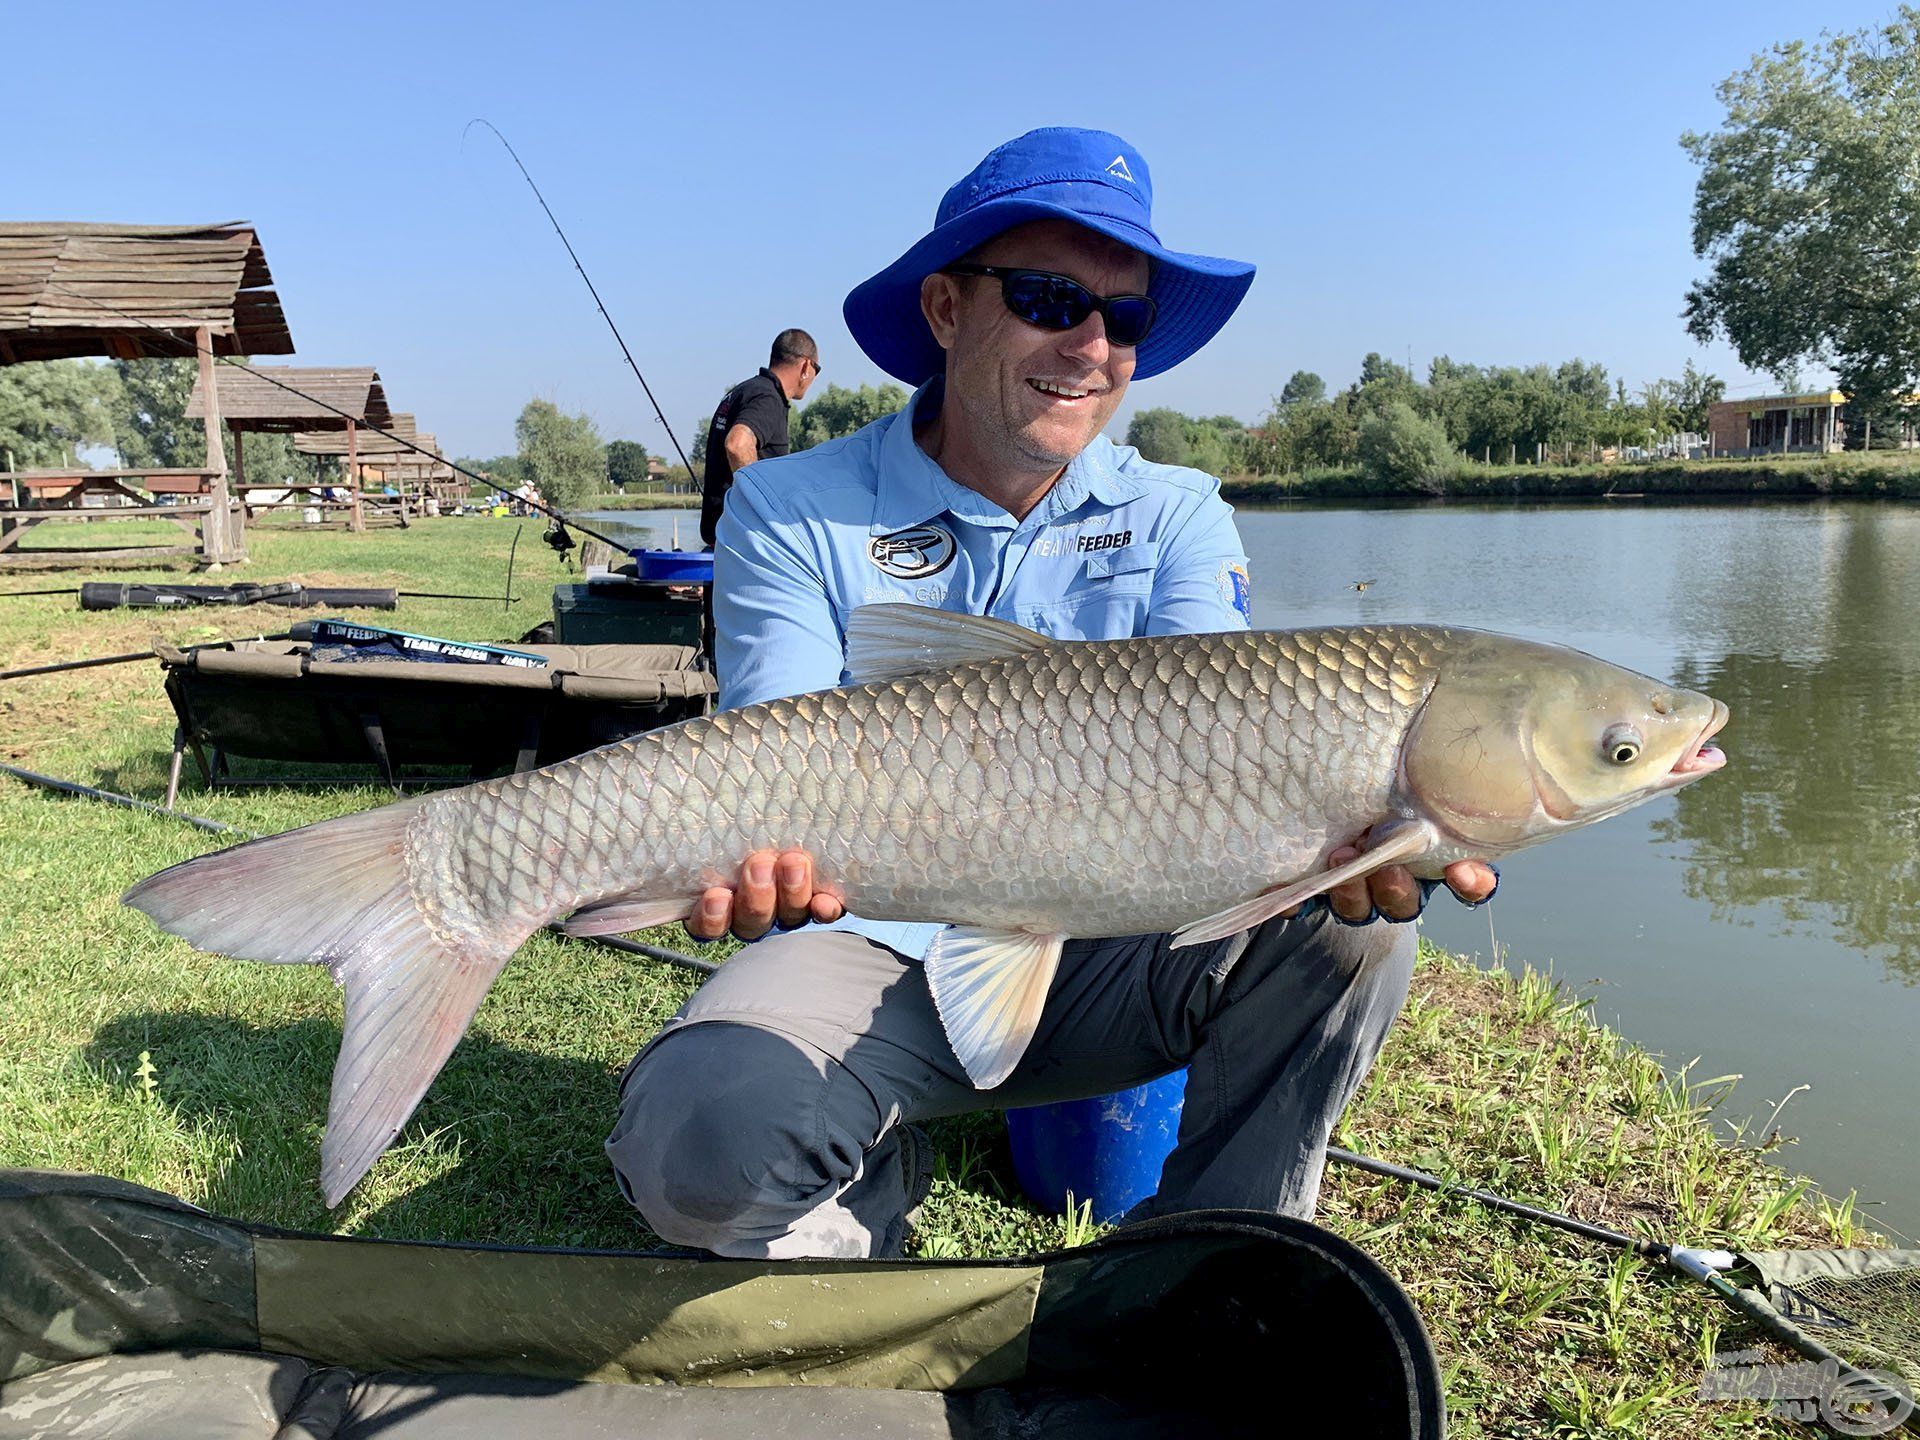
(1058, 302)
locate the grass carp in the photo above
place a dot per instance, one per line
(1022, 789)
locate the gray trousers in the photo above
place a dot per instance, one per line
(759, 1122)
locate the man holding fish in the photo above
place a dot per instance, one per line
(766, 1118)
(1065, 746)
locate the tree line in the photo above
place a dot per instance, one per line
(1392, 424)
(52, 411)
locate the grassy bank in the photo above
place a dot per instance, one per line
(645, 500)
(1877, 476)
(124, 1052)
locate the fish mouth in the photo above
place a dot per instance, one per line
(1703, 757)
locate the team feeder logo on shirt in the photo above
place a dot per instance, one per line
(913, 553)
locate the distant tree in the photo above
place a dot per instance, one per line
(1305, 435)
(1303, 387)
(698, 459)
(504, 471)
(626, 463)
(1807, 208)
(1218, 444)
(51, 409)
(1160, 435)
(1693, 395)
(1401, 444)
(838, 411)
(562, 454)
(1382, 383)
(150, 413)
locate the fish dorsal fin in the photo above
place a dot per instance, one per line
(886, 642)
(989, 987)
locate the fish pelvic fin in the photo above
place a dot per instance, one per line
(990, 987)
(1393, 844)
(336, 894)
(888, 642)
(622, 913)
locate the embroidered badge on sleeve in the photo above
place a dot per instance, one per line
(1236, 589)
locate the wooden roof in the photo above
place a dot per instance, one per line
(249, 400)
(413, 467)
(135, 290)
(367, 443)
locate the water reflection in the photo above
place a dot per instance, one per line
(1821, 825)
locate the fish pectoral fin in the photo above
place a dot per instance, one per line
(887, 642)
(1391, 845)
(989, 987)
(621, 913)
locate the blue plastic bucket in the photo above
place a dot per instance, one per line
(684, 567)
(1108, 1149)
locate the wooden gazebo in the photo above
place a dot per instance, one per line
(129, 292)
(397, 451)
(292, 400)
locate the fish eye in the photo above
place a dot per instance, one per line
(1621, 744)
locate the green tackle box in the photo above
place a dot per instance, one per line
(627, 612)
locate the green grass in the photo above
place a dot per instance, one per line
(125, 1053)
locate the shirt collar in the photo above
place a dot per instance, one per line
(778, 388)
(912, 488)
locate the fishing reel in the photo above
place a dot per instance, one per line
(561, 539)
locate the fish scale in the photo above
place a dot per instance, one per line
(1233, 760)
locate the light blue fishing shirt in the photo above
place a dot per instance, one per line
(1119, 547)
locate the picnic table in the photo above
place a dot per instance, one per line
(183, 495)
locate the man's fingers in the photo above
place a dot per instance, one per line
(827, 908)
(1395, 892)
(1471, 880)
(1350, 901)
(753, 901)
(709, 918)
(793, 877)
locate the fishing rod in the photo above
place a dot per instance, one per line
(193, 347)
(1702, 1265)
(134, 655)
(127, 802)
(1646, 1249)
(239, 594)
(658, 413)
(74, 787)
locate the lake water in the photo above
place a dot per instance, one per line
(1765, 920)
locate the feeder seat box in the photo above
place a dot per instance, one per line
(619, 611)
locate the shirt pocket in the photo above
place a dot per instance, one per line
(1106, 598)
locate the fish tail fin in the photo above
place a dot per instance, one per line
(336, 894)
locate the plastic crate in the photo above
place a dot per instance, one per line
(627, 612)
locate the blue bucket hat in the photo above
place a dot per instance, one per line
(1089, 177)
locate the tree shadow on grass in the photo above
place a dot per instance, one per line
(523, 1133)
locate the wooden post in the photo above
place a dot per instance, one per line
(239, 480)
(357, 522)
(217, 543)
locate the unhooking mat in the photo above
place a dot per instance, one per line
(125, 1312)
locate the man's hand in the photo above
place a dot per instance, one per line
(772, 889)
(1395, 894)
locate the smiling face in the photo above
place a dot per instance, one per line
(1021, 400)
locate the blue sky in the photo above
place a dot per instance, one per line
(1502, 183)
